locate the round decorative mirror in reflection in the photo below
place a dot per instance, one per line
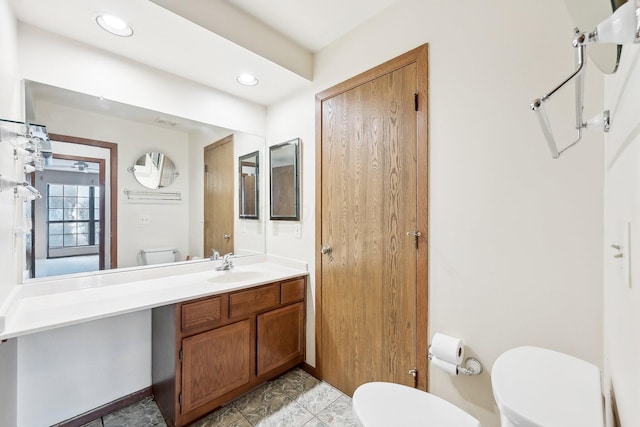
(586, 15)
(155, 170)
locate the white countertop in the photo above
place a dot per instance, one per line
(40, 306)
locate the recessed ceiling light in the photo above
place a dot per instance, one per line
(114, 25)
(247, 79)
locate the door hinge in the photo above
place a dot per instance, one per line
(180, 355)
(206, 168)
(180, 399)
(415, 100)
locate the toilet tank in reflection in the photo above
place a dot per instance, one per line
(158, 255)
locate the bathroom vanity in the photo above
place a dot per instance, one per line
(205, 336)
(208, 351)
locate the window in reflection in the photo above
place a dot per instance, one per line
(74, 217)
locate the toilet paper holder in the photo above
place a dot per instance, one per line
(472, 366)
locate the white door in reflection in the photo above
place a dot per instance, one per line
(71, 240)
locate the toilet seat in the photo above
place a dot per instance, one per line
(381, 404)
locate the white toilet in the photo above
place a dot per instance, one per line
(536, 387)
(380, 404)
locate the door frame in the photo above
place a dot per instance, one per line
(418, 56)
(113, 185)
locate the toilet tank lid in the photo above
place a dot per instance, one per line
(540, 387)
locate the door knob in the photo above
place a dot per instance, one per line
(227, 236)
(326, 249)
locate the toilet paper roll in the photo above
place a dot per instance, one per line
(449, 368)
(448, 349)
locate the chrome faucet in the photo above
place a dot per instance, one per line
(227, 263)
(214, 255)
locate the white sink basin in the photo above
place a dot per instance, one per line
(231, 276)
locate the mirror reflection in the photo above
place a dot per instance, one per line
(586, 15)
(155, 170)
(219, 236)
(70, 236)
(91, 131)
(248, 178)
(283, 166)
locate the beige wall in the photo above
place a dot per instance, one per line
(515, 237)
(9, 261)
(9, 81)
(622, 206)
(10, 98)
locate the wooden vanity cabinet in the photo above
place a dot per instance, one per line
(209, 351)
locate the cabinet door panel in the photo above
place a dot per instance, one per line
(215, 363)
(280, 337)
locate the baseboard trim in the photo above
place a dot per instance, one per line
(105, 409)
(309, 369)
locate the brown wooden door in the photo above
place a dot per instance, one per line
(218, 196)
(369, 305)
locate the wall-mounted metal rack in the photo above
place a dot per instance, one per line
(32, 147)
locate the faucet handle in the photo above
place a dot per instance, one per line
(214, 254)
(225, 257)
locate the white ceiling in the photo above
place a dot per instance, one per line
(274, 40)
(313, 24)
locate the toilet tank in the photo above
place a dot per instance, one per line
(158, 255)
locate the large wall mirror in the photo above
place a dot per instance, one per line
(284, 185)
(94, 143)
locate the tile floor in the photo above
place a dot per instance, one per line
(295, 399)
